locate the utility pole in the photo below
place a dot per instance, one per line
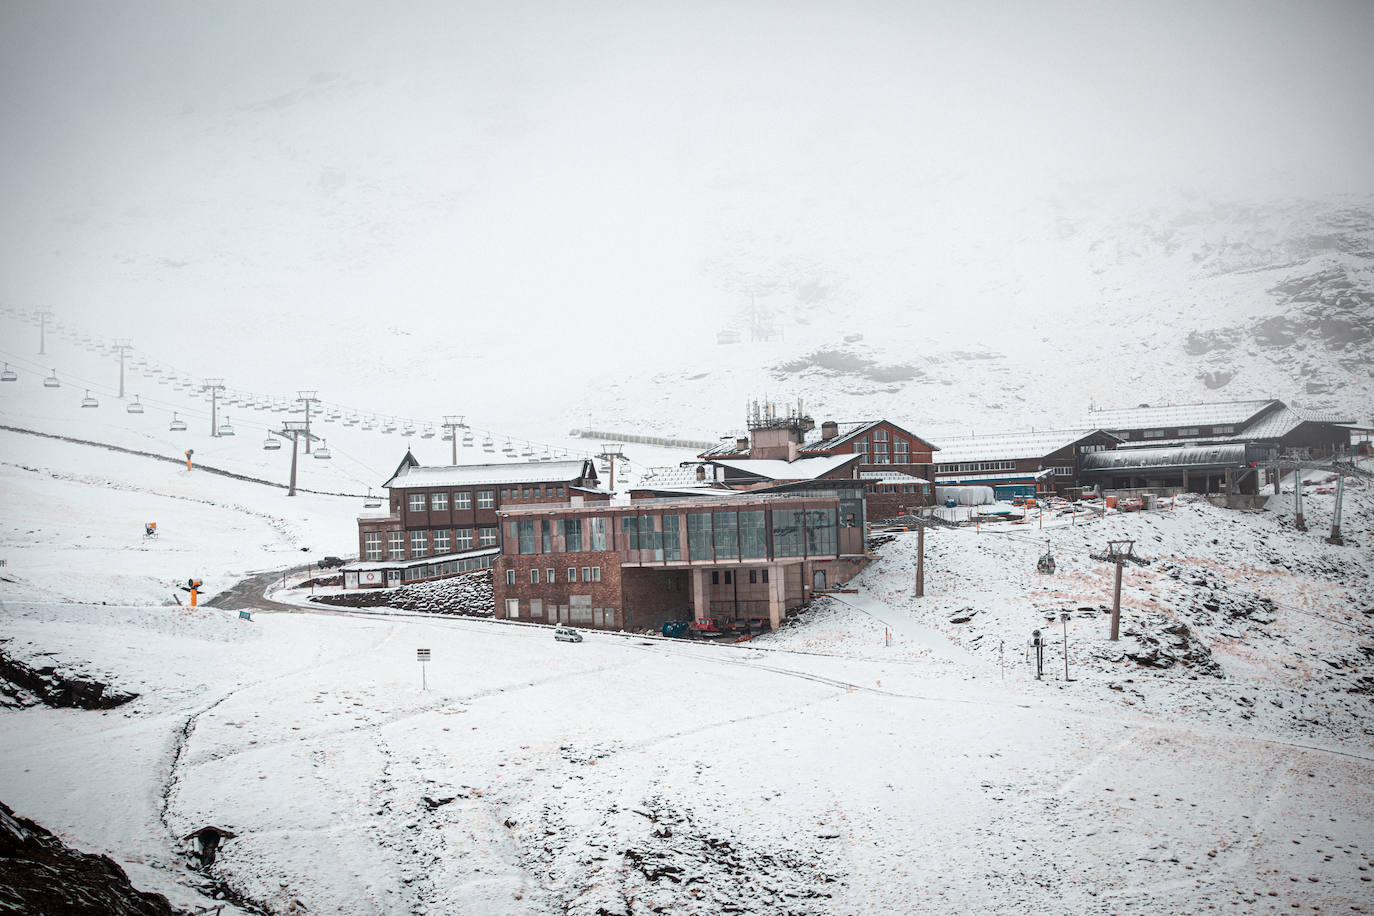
(921, 561)
(1336, 516)
(1064, 620)
(453, 424)
(1299, 522)
(307, 398)
(1118, 552)
(123, 346)
(609, 454)
(43, 316)
(214, 386)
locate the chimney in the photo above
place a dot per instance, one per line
(742, 443)
(701, 472)
(830, 429)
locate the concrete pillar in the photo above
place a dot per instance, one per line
(700, 604)
(1230, 482)
(777, 594)
(1185, 480)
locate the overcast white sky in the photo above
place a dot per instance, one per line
(496, 164)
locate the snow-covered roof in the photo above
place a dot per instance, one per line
(382, 511)
(1009, 446)
(1172, 416)
(455, 475)
(849, 432)
(1274, 424)
(1223, 455)
(777, 469)
(892, 477)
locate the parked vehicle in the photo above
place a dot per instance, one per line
(566, 634)
(330, 562)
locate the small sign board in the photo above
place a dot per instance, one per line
(245, 615)
(422, 655)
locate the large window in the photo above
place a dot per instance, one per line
(395, 545)
(525, 530)
(671, 537)
(545, 536)
(901, 449)
(534, 576)
(486, 537)
(787, 532)
(699, 536)
(372, 545)
(598, 526)
(572, 535)
(629, 532)
(753, 535)
(419, 543)
(486, 499)
(462, 538)
(417, 502)
(820, 532)
(650, 538)
(441, 541)
(462, 500)
(726, 535)
(438, 501)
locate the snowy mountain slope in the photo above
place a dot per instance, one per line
(818, 770)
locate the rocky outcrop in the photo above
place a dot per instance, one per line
(22, 685)
(41, 874)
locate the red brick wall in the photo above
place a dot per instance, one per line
(606, 593)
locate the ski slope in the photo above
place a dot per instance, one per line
(822, 769)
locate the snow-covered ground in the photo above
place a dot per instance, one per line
(870, 757)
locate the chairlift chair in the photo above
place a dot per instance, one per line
(135, 407)
(467, 440)
(408, 429)
(488, 445)
(9, 375)
(177, 425)
(351, 420)
(429, 431)
(389, 426)
(271, 443)
(322, 451)
(447, 436)
(226, 428)
(508, 450)
(369, 423)
(1045, 564)
(528, 451)
(89, 401)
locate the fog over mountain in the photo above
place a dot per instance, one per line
(555, 209)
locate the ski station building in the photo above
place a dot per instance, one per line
(1224, 448)
(1037, 463)
(443, 520)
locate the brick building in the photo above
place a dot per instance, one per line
(1015, 464)
(895, 465)
(442, 520)
(638, 565)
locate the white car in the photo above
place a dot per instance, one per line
(566, 634)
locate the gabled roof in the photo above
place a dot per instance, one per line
(851, 431)
(1225, 413)
(412, 474)
(1273, 424)
(1011, 446)
(777, 469)
(726, 449)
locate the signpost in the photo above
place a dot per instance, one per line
(422, 656)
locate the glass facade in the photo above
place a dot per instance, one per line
(598, 527)
(753, 534)
(525, 535)
(821, 533)
(699, 536)
(672, 537)
(572, 535)
(788, 525)
(725, 536)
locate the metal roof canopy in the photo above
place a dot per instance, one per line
(1011, 446)
(408, 475)
(1158, 459)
